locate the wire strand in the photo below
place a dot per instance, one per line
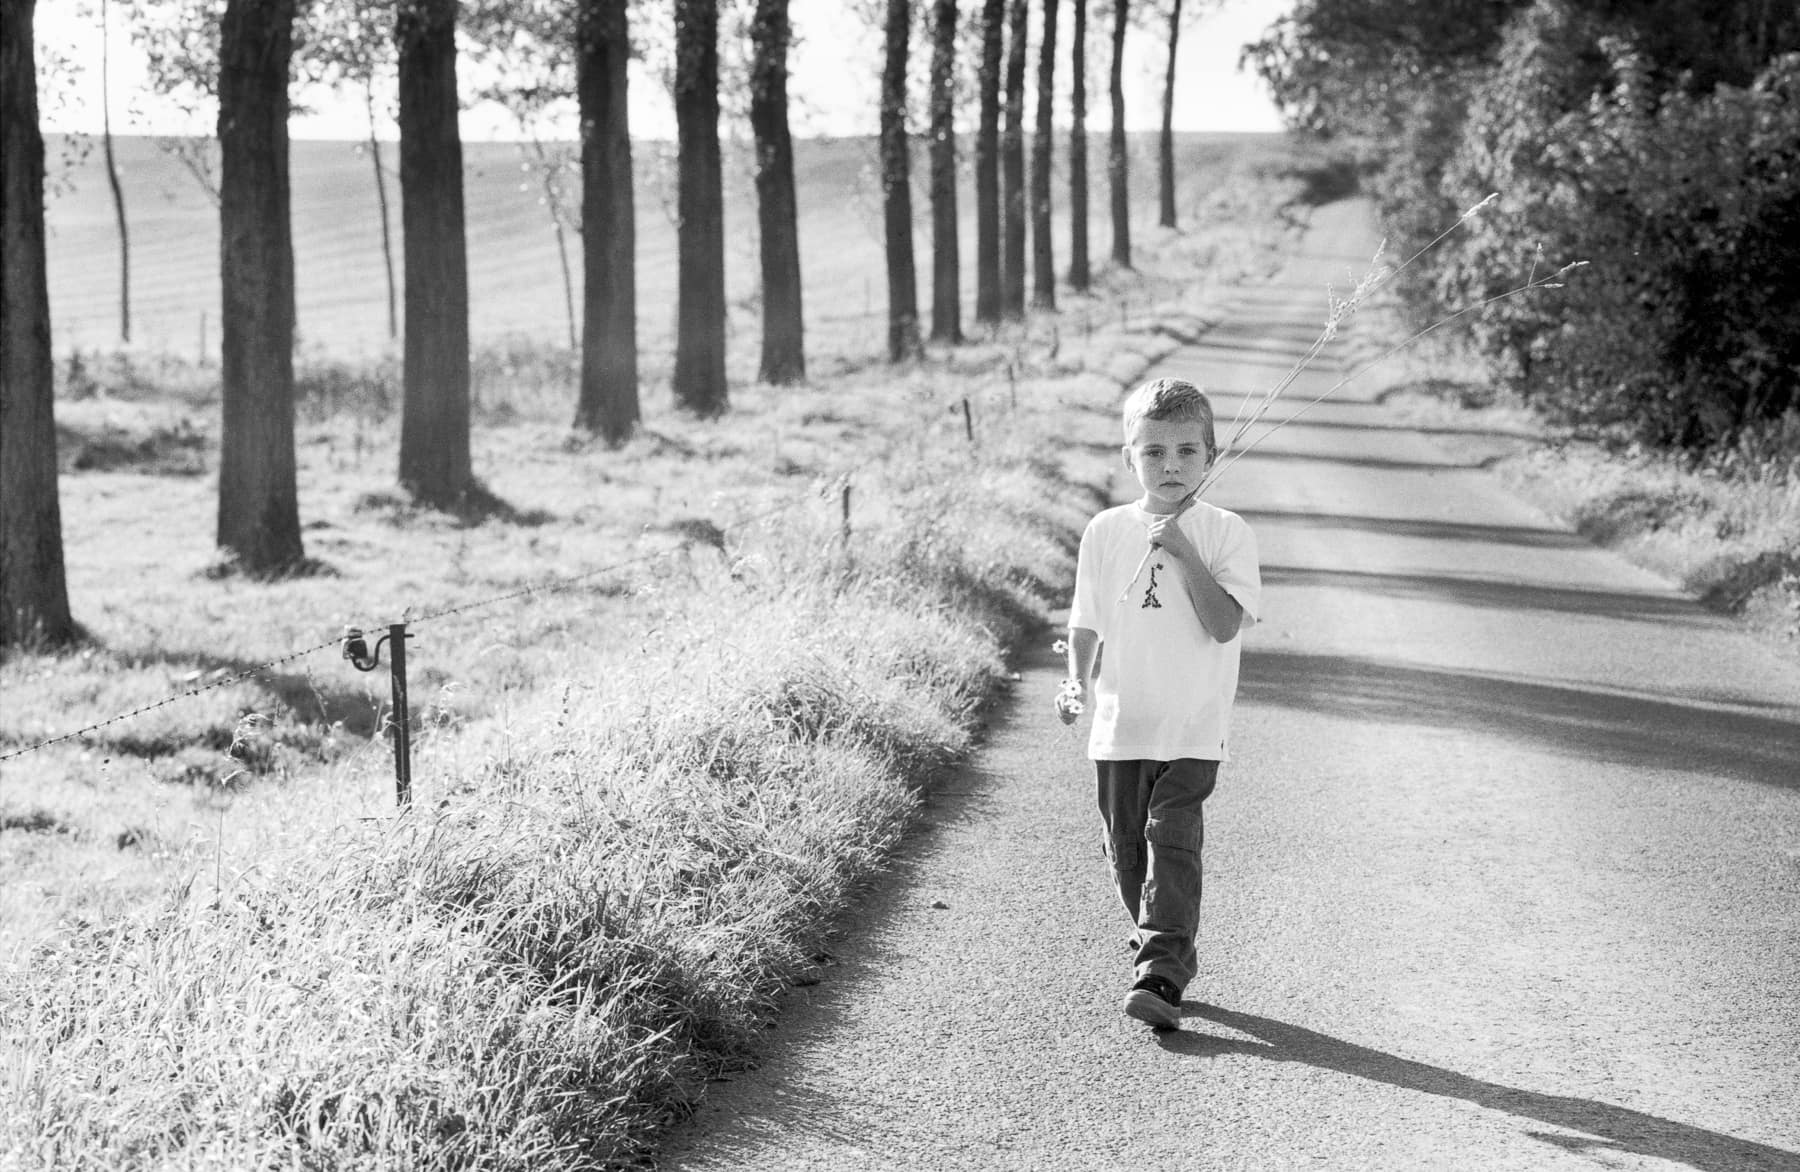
(233, 678)
(552, 585)
(549, 586)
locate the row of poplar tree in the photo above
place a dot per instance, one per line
(258, 516)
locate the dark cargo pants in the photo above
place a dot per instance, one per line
(1155, 828)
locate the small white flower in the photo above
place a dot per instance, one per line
(1068, 697)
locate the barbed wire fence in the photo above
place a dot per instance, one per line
(354, 643)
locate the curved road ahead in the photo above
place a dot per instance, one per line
(1505, 875)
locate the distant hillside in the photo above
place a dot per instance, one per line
(515, 276)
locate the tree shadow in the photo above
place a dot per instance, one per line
(475, 505)
(354, 709)
(1637, 730)
(1614, 1129)
(1325, 181)
(1531, 536)
(227, 564)
(1291, 341)
(1319, 423)
(1486, 592)
(1445, 465)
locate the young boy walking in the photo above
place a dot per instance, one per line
(1162, 587)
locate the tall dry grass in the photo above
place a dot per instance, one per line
(601, 887)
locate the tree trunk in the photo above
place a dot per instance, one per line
(381, 204)
(1080, 276)
(112, 177)
(1043, 261)
(434, 422)
(1115, 153)
(34, 596)
(777, 209)
(1165, 146)
(946, 260)
(1012, 163)
(896, 190)
(699, 381)
(608, 401)
(987, 166)
(259, 512)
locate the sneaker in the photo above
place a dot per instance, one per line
(1155, 1001)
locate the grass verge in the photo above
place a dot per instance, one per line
(604, 881)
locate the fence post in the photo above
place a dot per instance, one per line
(356, 650)
(968, 420)
(401, 718)
(846, 504)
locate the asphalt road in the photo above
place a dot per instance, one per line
(1505, 874)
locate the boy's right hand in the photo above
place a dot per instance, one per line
(1068, 701)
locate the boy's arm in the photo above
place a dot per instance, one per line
(1217, 611)
(1084, 645)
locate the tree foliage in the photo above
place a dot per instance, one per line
(1657, 140)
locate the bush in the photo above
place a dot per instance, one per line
(1685, 328)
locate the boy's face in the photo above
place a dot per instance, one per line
(1168, 457)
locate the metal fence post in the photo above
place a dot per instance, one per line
(402, 720)
(356, 650)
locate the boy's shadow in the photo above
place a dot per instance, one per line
(1617, 1129)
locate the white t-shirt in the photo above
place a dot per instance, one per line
(1165, 686)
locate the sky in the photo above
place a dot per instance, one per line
(835, 70)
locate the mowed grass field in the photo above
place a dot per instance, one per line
(669, 708)
(515, 276)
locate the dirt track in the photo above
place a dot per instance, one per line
(1506, 873)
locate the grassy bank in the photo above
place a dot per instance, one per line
(637, 802)
(595, 899)
(1725, 529)
(670, 712)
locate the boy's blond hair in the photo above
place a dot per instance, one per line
(1170, 398)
